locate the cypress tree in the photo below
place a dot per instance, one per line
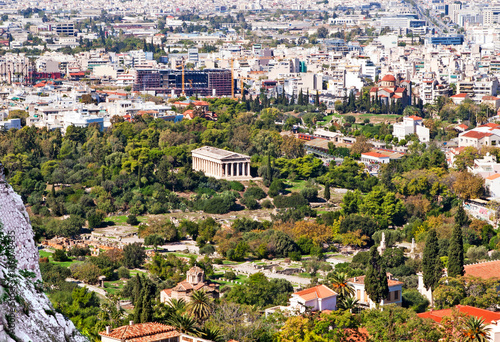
(139, 176)
(456, 253)
(327, 191)
(269, 168)
(376, 284)
(138, 309)
(147, 311)
(461, 217)
(432, 266)
(137, 289)
(316, 101)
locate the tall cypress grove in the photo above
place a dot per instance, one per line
(432, 265)
(456, 253)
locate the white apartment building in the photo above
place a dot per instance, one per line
(411, 125)
(485, 135)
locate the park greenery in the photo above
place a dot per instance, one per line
(73, 182)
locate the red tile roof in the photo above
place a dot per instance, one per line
(373, 89)
(375, 155)
(484, 270)
(141, 332)
(437, 315)
(361, 280)
(462, 95)
(476, 134)
(463, 126)
(388, 78)
(319, 291)
(490, 98)
(415, 118)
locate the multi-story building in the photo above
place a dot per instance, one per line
(411, 125)
(207, 82)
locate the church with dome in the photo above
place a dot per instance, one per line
(390, 90)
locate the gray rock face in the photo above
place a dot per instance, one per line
(26, 313)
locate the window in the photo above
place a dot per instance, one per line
(358, 294)
(396, 295)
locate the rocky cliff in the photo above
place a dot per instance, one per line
(26, 313)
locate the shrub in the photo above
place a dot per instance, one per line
(94, 219)
(217, 205)
(218, 261)
(230, 275)
(309, 193)
(60, 255)
(255, 192)
(123, 273)
(275, 188)
(132, 220)
(250, 203)
(207, 250)
(295, 256)
(295, 200)
(237, 186)
(267, 204)
(79, 251)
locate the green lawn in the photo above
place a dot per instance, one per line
(44, 254)
(122, 219)
(295, 185)
(113, 287)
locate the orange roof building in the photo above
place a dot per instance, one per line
(146, 332)
(488, 316)
(318, 298)
(484, 270)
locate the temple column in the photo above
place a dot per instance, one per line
(248, 169)
(238, 169)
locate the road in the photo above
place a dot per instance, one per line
(431, 20)
(92, 288)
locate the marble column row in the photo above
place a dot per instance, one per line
(218, 169)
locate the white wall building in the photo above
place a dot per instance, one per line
(411, 125)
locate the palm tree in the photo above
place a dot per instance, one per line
(177, 305)
(348, 303)
(200, 305)
(340, 285)
(184, 323)
(212, 334)
(475, 330)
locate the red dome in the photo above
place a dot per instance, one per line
(388, 78)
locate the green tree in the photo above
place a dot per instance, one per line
(133, 255)
(153, 240)
(327, 191)
(376, 283)
(147, 311)
(431, 262)
(461, 217)
(456, 253)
